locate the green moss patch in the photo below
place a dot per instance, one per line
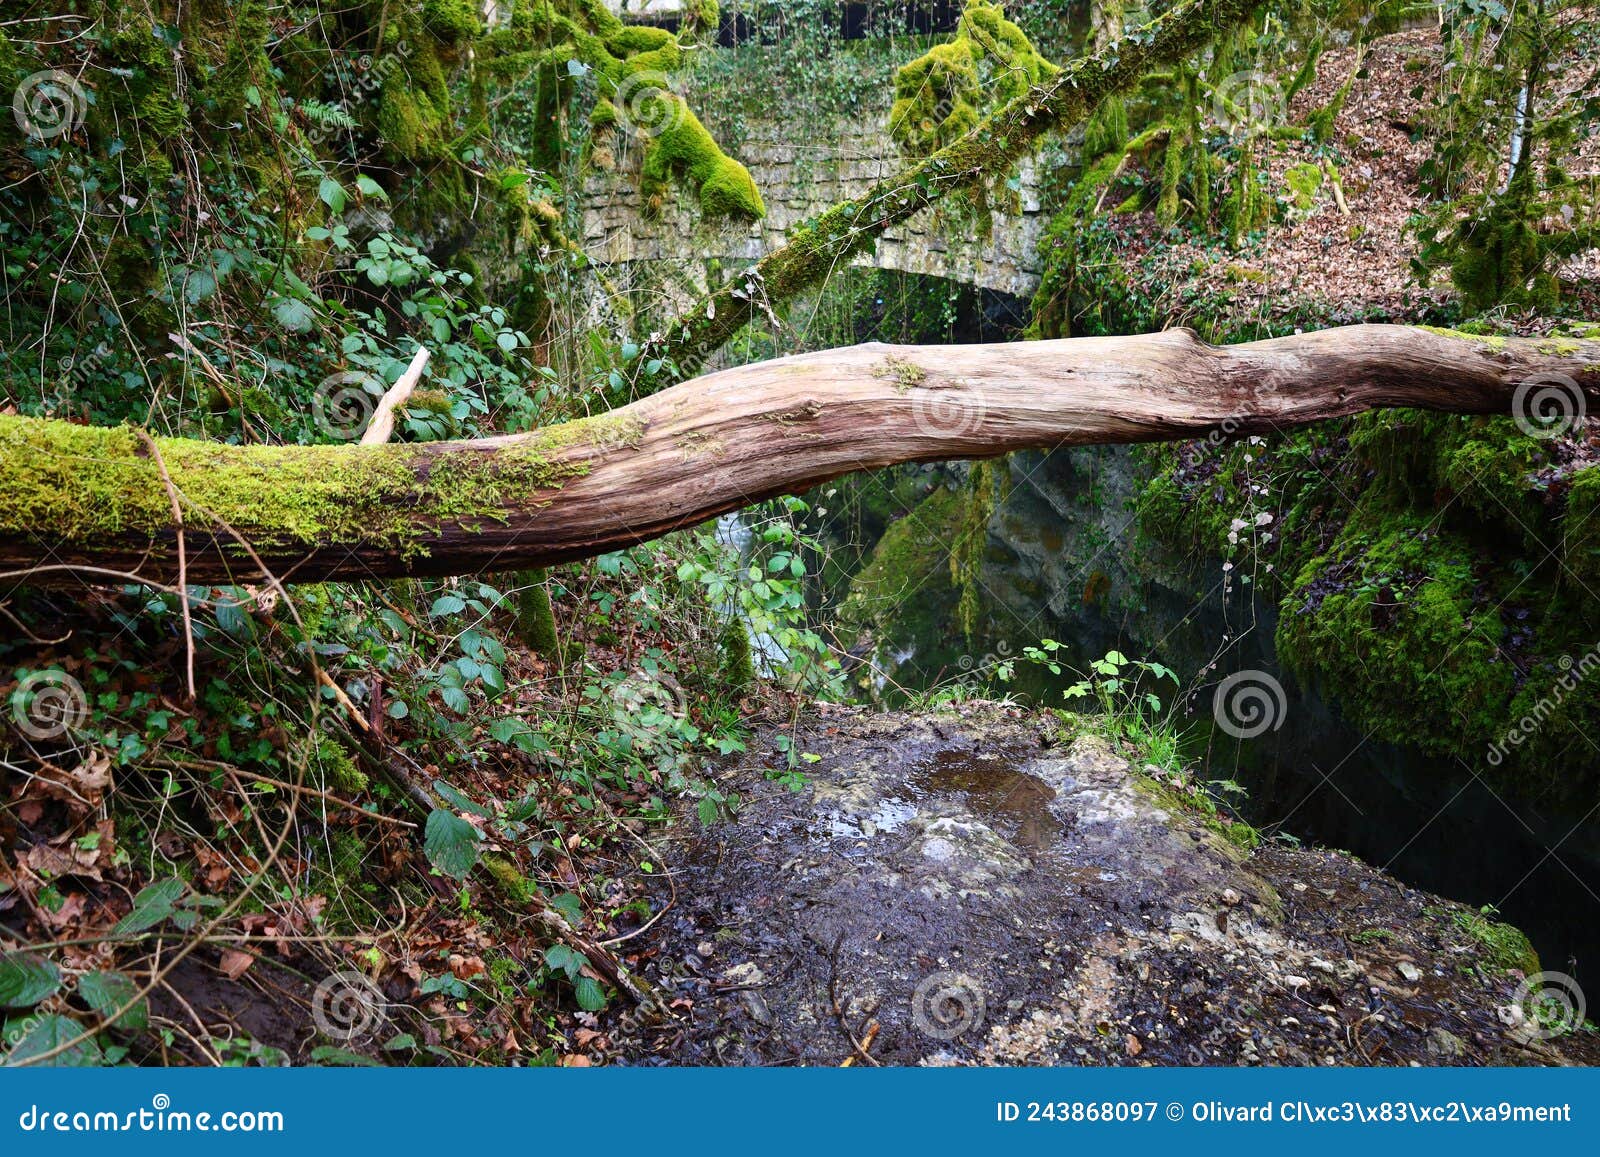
(84, 485)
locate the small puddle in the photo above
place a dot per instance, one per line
(1013, 803)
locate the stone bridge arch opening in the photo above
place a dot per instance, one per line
(666, 254)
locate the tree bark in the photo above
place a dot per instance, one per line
(814, 251)
(73, 498)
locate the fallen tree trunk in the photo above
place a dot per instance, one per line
(78, 502)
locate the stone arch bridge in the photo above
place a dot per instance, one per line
(798, 180)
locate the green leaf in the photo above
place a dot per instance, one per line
(106, 992)
(47, 1034)
(560, 958)
(455, 799)
(506, 729)
(26, 979)
(331, 194)
(295, 316)
(569, 906)
(446, 605)
(451, 843)
(332, 1055)
(591, 997)
(370, 188)
(151, 906)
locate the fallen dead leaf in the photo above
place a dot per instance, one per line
(234, 963)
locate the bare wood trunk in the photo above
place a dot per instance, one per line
(73, 497)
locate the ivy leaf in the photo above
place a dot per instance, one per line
(151, 906)
(105, 992)
(26, 979)
(451, 843)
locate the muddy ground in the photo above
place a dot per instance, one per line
(978, 888)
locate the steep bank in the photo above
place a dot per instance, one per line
(979, 887)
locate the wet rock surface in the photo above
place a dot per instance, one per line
(976, 888)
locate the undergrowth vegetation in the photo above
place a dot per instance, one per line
(239, 222)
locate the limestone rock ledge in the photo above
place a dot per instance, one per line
(984, 889)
